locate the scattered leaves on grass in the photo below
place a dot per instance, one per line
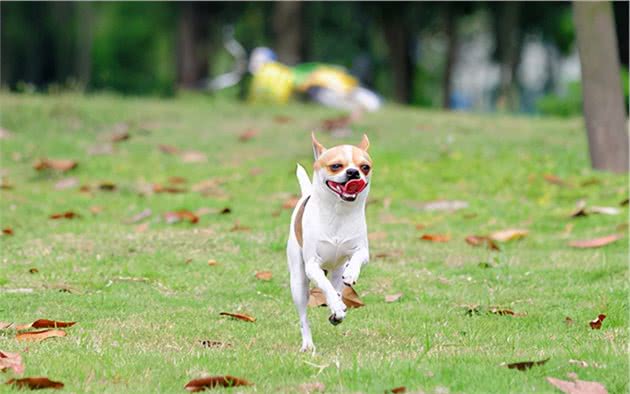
(506, 312)
(11, 361)
(525, 365)
(37, 336)
(5, 185)
(169, 149)
(508, 235)
(226, 211)
(436, 237)
(349, 297)
(212, 262)
(206, 185)
(596, 324)
(568, 321)
(177, 180)
(393, 297)
(554, 180)
(35, 383)
(158, 188)
(67, 183)
(65, 215)
(577, 386)
(121, 133)
(595, 242)
(215, 381)
(264, 275)
(478, 240)
(62, 165)
(140, 216)
(107, 186)
(211, 344)
(7, 231)
(33, 270)
(340, 122)
(239, 227)
(248, 134)
(398, 390)
(46, 323)
(290, 202)
(239, 316)
(181, 215)
(582, 210)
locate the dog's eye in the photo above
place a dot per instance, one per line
(335, 167)
(365, 168)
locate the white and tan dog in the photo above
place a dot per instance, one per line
(328, 233)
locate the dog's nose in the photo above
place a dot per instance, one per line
(353, 173)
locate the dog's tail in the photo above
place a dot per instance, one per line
(305, 183)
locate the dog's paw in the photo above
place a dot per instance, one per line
(350, 276)
(338, 313)
(307, 346)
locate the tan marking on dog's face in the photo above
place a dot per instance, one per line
(334, 160)
(361, 160)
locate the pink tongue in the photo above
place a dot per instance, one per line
(354, 186)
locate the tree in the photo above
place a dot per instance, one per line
(287, 28)
(603, 98)
(193, 44)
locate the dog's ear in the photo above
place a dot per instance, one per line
(364, 144)
(318, 148)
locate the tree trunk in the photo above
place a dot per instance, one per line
(83, 65)
(399, 44)
(451, 52)
(509, 46)
(192, 44)
(601, 83)
(287, 28)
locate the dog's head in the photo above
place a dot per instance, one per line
(343, 170)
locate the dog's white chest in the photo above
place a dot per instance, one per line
(335, 251)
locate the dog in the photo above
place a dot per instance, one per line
(328, 232)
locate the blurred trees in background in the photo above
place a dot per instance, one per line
(462, 55)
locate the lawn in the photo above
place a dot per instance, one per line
(144, 295)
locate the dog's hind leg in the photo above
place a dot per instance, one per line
(299, 291)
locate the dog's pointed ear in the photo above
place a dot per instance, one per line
(318, 148)
(364, 144)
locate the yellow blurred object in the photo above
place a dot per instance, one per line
(331, 78)
(273, 82)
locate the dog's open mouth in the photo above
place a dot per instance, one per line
(348, 190)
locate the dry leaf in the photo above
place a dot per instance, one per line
(393, 297)
(389, 254)
(264, 275)
(212, 262)
(36, 336)
(157, 188)
(57, 165)
(604, 210)
(525, 365)
(436, 237)
(506, 312)
(239, 316)
(107, 186)
(65, 215)
(349, 297)
(508, 235)
(169, 149)
(477, 240)
(596, 324)
(282, 119)
(45, 323)
(553, 179)
(206, 185)
(210, 344)
(377, 236)
(33, 270)
(225, 211)
(67, 183)
(568, 321)
(176, 216)
(7, 231)
(35, 383)
(339, 122)
(582, 210)
(238, 227)
(577, 386)
(177, 180)
(215, 381)
(595, 242)
(398, 390)
(12, 361)
(248, 134)
(121, 133)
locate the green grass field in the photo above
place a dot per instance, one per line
(144, 295)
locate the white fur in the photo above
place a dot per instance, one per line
(334, 239)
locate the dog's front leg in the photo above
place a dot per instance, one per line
(315, 273)
(353, 267)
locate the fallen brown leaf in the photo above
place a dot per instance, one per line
(508, 235)
(210, 344)
(169, 149)
(212, 262)
(5, 185)
(65, 215)
(248, 134)
(157, 188)
(177, 180)
(183, 214)
(349, 297)
(398, 390)
(239, 227)
(478, 240)
(568, 321)
(596, 324)
(36, 336)
(12, 361)
(206, 185)
(121, 133)
(215, 381)
(45, 323)
(264, 275)
(339, 122)
(506, 312)
(33, 270)
(436, 237)
(525, 365)
(225, 211)
(578, 386)
(239, 316)
(96, 209)
(393, 297)
(282, 119)
(62, 165)
(7, 231)
(67, 183)
(595, 242)
(554, 180)
(389, 254)
(35, 383)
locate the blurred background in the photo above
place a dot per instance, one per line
(477, 56)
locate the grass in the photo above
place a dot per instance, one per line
(144, 300)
